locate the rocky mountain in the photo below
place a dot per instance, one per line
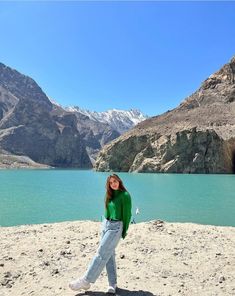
(94, 134)
(31, 127)
(119, 120)
(36, 132)
(196, 137)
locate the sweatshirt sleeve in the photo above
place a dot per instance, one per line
(106, 213)
(126, 212)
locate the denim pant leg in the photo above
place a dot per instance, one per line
(112, 270)
(111, 264)
(111, 236)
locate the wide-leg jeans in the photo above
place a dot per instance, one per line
(110, 236)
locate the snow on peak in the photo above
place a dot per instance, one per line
(120, 120)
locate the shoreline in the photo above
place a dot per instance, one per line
(99, 221)
(156, 258)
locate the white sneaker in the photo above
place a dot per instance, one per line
(112, 289)
(79, 284)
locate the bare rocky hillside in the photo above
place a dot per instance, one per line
(196, 137)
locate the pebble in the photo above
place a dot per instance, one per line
(221, 279)
(65, 254)
(8, 258)
(45, 263)
(16, 275)
(4, 282)
(55, 271)
(7, 274)
(33, 273)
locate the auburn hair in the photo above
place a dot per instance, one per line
(109, 190)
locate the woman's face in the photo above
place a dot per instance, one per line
(113, 183)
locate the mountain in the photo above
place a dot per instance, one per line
(94, 134)
(196, 137)
(119, 120)
(37, 132)
(29, 125)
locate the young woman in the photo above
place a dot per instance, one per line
(115, 225)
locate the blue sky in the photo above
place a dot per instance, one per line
(102, 55)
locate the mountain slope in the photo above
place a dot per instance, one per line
(28, 128)
(35, 129)
(196, 137)
(94, 134)
(119, 120)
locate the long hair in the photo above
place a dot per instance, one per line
(109, 190)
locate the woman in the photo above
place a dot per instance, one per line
(115, 225)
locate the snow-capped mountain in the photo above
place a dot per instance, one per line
(120, 120)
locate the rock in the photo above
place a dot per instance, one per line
(16, 275)
(122, 256)
(33, 273)
(221, 279)
(65, 253)
(158, 223)
(4, 281)
(7, 274)
(196, 137)
(9, 285)
(45, 263)
(8, 258)
(54, 271)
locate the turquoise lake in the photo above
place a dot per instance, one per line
(45, 196)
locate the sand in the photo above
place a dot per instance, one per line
(156, 258)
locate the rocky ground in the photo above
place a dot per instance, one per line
(156, 258)
(8, 161)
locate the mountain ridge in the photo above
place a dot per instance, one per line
(120, 120)
(184, 139)
(33, 129)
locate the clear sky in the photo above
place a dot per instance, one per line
(102, 55)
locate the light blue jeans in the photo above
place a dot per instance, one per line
(110, 236)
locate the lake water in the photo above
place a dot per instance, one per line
(42, 196)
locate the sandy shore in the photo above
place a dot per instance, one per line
(156, 258)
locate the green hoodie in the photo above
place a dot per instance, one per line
(119, 208)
